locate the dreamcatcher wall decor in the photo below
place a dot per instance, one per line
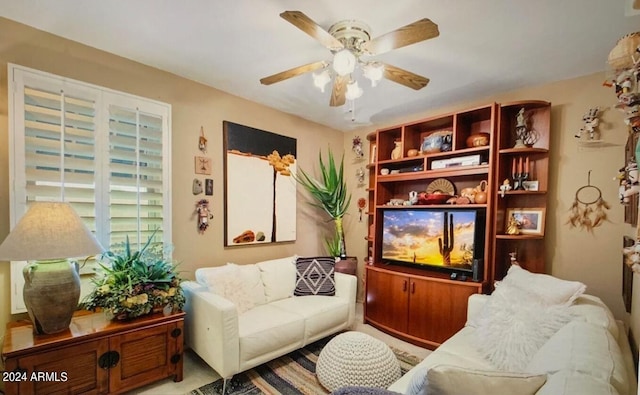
(588, 208)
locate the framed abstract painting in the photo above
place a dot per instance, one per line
(259, 192)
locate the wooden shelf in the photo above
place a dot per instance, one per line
(519, 151)
(518, 237)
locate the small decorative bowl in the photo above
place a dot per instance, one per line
(412, 152)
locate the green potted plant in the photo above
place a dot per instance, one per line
(330, 194)
(137, 283)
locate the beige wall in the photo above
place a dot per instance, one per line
(593, 258)
(193, 105)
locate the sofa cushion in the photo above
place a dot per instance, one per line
(570, 383)
(512, 326)
(315, 276)
(591, 309)
(452, 380)
(227, 282)
(278, 277)
(583, 348)
(322, 314)
(550, 290)
(252, 282)
(267, 328)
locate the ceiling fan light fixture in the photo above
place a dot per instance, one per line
(353, 90)
(373, 71)
(344, 62)
(320, 80)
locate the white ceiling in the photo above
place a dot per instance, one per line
(485, 47)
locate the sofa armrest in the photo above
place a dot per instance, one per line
(211, 325)
(347, 288)
(474, 306)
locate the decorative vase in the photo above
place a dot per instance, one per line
(51, 294)
(396, 153)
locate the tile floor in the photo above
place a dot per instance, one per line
(197, 373)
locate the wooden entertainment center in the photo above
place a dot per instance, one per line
(425, 305)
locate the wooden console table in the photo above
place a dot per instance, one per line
(95, 355)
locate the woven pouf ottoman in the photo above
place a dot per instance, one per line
(356, 359)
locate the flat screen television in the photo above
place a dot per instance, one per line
(434, 238)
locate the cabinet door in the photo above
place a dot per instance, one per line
(437, 310)
(387, 299)
(67, 370)
(146, 355)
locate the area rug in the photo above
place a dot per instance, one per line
(292, 374)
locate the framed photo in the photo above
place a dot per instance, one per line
(203, 165)
(530, 185)
(531, 220)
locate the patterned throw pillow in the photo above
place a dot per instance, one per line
(314, 276)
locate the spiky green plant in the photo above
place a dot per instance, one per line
(133, 283)
(329, 193)
(332, 244)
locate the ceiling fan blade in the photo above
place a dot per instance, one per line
(412, 33)
(307, 25)
(272, 79)
(338, 97)
(404, 77)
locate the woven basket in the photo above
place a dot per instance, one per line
(620, 55)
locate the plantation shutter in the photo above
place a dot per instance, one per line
(135, 175)
(59, 145)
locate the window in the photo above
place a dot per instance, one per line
(105, 152)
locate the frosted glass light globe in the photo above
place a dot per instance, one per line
(344, 62)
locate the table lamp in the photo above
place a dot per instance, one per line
(47, 235)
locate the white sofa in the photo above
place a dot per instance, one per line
(265, 320)
(588, 355)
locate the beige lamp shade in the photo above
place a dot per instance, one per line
(49, 230)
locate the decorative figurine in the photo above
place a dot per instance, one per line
(396, 153)
(505, 187)
(525, 137)
(513, 258)
(360, 176)
(204, 215)
(513, 227)
(591, 121)
(202, 141)
(356, 146)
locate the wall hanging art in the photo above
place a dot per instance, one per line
(588, 208)
(260, 194)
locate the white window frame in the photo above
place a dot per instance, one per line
(103, 97)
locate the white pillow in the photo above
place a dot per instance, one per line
(453, 380)
(585, 348)
(550, 290)
(278, 277)
(252, 281)
(227, 282)
(513, 325)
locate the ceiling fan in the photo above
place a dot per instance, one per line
(349, 40)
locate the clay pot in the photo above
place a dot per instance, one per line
(412, 152)
(481, 193)
(478, 140)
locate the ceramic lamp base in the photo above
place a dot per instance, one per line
(51, 294)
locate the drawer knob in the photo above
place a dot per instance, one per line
(176, 332)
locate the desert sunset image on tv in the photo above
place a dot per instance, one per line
(429, 237)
